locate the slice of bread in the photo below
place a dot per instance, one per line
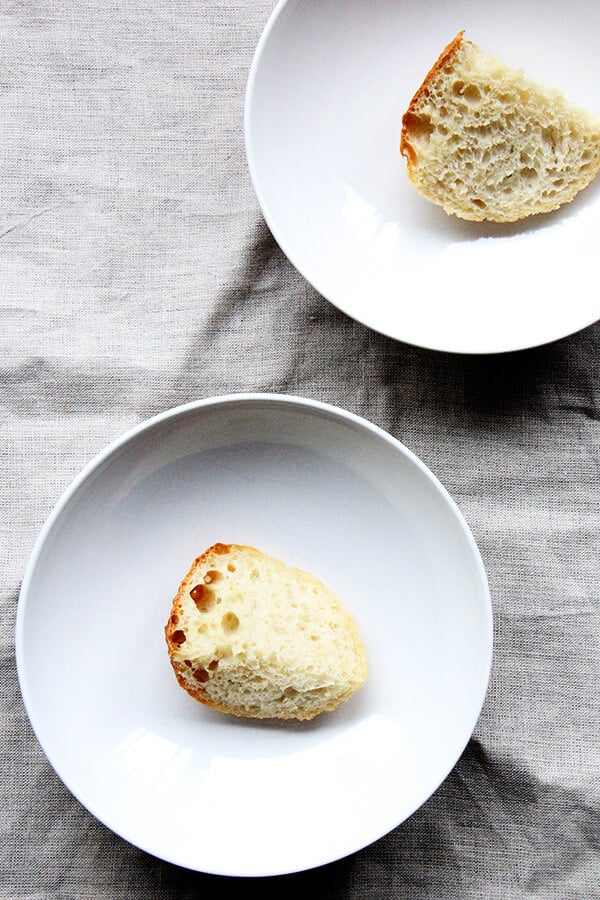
(250, 636)
(486, 143)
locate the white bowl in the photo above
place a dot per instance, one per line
(319, 488)
(326, 93)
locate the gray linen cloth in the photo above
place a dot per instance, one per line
(136, 273)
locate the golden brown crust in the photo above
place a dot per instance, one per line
(173, 634)
(406, 148)
(197, 693)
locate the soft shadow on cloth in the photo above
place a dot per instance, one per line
(285, 337)
(491, 389)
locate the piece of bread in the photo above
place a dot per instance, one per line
(250, 636)
(486, 143)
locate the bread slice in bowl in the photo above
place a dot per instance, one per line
(250, 636)
(488, 144)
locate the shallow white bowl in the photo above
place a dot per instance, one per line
(326, 93)
(320, 489)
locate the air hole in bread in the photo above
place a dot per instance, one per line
(421, 127)
(472, 93)
(230, 622)
(230, 567)
(549, 136)
(477, 202)
(203, 597)
(528, 173)
(201, 675)
(212, 576)
(178, 637)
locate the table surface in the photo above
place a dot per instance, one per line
(137, 274)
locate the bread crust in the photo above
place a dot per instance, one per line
(406, 148)
(171, 628)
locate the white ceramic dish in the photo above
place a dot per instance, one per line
(327, 89)
(319, 488)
